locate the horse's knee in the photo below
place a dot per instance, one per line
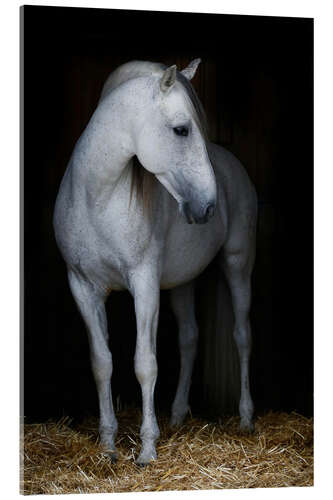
(102, 366)
(145, 365)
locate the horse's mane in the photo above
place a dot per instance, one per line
(199, 114)
(143, 182)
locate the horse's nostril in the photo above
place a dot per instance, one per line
(210, 211)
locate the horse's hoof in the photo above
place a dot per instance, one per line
(175, 422)
(247, 426)
(177, 419)
(145, 459)
(111, 455)
(141, 464)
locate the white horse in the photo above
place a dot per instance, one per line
(140, 175)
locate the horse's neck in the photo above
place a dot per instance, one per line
(128, 71)
(104, 150)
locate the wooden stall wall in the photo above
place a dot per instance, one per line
(255, 82)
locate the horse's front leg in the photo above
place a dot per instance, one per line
(146, 292)
(91, 306)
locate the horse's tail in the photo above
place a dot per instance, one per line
(218, 357)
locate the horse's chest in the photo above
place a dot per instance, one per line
(120, 250)
(115, 245)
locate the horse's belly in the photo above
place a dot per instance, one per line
(188, 252)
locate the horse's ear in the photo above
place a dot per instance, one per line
(168, 78)
(190, 70)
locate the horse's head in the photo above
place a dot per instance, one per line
(171, 143)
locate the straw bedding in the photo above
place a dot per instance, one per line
(58, 457)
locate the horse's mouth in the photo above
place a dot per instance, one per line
(187, 214)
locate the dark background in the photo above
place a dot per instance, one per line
(256, 84)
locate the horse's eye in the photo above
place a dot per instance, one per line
(181, 131)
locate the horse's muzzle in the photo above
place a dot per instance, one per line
(198, 218)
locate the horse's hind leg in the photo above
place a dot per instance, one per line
(91, 306)
(182, 303)
(237, 267)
